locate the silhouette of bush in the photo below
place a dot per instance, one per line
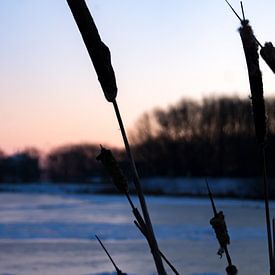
(20, 167)
(72, 163)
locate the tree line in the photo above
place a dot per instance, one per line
(214, 137)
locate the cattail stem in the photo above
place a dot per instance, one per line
(273, 236)
(119, 272)
(267, 212)
(231, 269)
(242, 11)
(154, 248)
(129, 200)
(227, 255)
(161, 254)
(140, 224)
(108, 160)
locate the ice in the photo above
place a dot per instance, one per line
(54, 234)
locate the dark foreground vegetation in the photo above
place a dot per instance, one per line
(214, 138)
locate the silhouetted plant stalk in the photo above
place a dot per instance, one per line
(273, 234)
(111, 165)
(250, 46)
(258, 106)
(101, 58)
(267, 51)
(141, 228)
(119, 272)
(220, 228)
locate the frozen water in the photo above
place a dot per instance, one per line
(54, 235)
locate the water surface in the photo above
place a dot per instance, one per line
(54, 234)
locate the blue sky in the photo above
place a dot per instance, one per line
(162, 51)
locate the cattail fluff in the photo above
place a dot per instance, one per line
(268, 54)
(255, 79)
(111, 165)
(98, 51)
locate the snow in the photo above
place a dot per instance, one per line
(54, 234)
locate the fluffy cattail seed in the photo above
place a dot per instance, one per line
(255, 79)
(98, 51)
(111, 165)
(268, 54)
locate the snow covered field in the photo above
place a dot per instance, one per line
(53, 234)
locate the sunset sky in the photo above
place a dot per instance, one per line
(162, 51)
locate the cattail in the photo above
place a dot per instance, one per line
(255, 79)
(101, 59)
(268, 54)
(220, 228)
(218, 224)
(98, 51)
(111, 165)
(231, 270)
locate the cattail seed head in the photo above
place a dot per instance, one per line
(268, 54)
(232, 270)
(255, 79)
(98, 51)
(111, 165)
(220, 228)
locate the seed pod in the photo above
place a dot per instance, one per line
(98, 51)
(268, 54)
(232, 270)
(219, 225)
(255, 79)
(111, 165)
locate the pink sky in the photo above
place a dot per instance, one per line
(161, 52)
